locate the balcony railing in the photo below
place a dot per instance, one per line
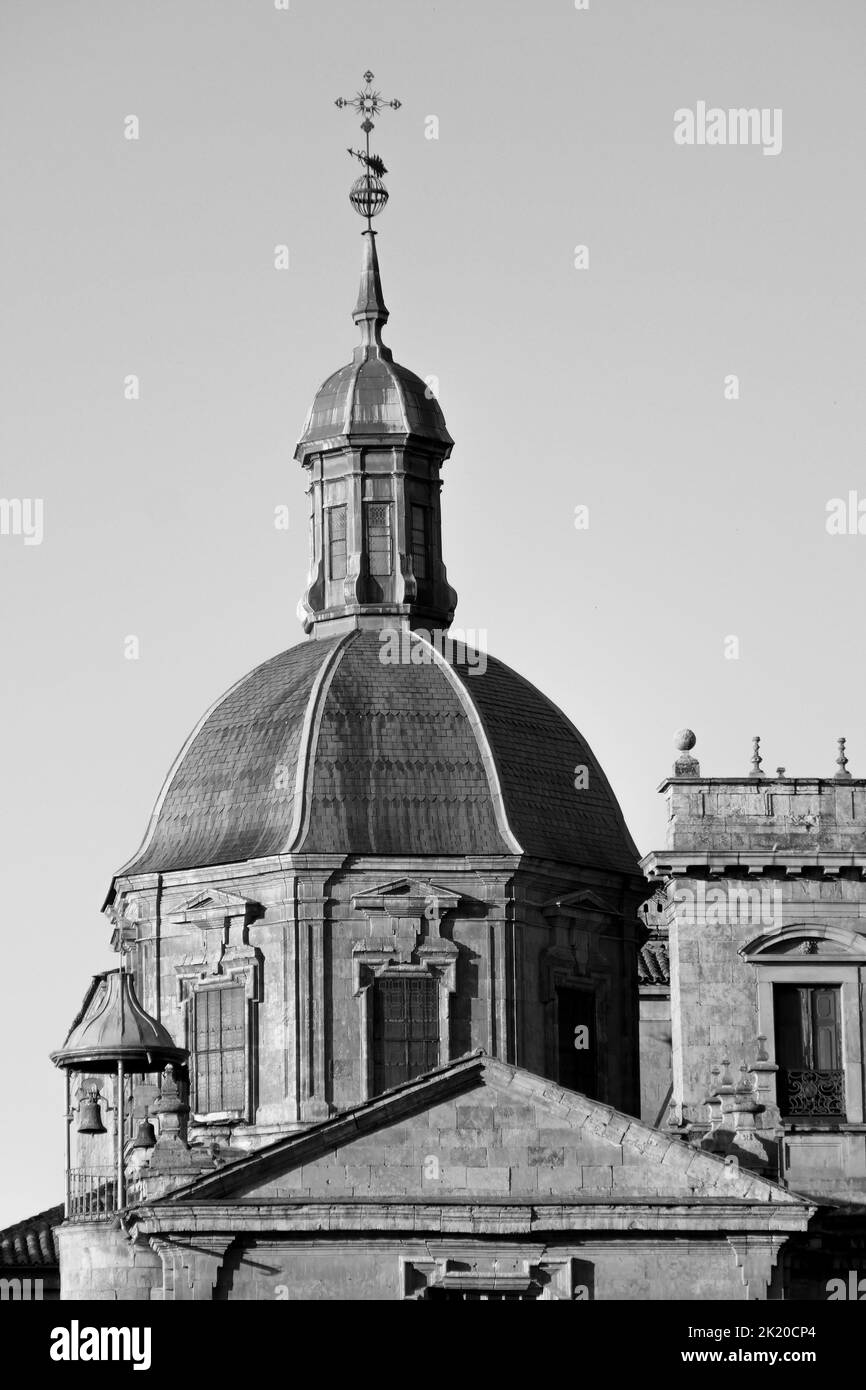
(92, 1194)
(811, 1094)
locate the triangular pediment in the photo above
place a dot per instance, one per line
(211, 902)
(583, 900)
(407, 894)
(480, 1130)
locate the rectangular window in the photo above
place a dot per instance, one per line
(405, 1029)
(379, 538)
(419, 541)
(220, 1048)
(575, 1009)
(811, 1077)
(336, 542)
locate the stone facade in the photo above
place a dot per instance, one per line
(478, 1180)
(761, 894)
(500, 939)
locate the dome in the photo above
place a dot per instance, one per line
(113, 1027)
(374, 396)
(329, 748)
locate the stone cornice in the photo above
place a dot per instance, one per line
(661, 1216)
(764, 784)
(667, 863)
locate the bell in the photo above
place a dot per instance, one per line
(89, 1114)
(146, 1136)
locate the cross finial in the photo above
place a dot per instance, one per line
(368, 195)
(368, 103)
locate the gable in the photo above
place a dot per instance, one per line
(481, 1130)
(210, 905)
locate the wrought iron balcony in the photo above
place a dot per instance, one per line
(811, 1094)
(92, 1194)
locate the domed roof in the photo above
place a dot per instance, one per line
(374, 396)
(113, 1027)
(331, 748)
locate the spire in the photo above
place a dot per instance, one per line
(368, 196)
(370, 312)
(374, 443)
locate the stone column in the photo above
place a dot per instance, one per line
(310, 1020)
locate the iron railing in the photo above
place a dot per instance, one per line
(812, 1094)
(92, 1194)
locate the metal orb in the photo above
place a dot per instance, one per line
(368, 195)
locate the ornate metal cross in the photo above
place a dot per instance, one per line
(368, 103)
(369, 194)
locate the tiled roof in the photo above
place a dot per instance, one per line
(653, 963)
(537, 752)
(230, 795)
(31, 1242)
(398, 767)
(383, 758)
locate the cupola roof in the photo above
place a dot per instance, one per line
(372, 395)
(112, 1026)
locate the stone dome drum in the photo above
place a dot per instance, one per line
(329, 748)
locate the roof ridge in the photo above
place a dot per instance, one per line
(603, 1122)
(485, 746)
(308, 743)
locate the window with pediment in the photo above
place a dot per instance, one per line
(220, 1048)
(809, 1055)
(405, 1028)
(808, 984)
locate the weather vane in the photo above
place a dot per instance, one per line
(368, 194)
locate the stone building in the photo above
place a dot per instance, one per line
(761, 913)
(385, 961)
(756, 960)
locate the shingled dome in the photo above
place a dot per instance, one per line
(332, 748)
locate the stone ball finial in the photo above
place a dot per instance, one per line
(685, 765)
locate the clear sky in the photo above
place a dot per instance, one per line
(601, 387)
